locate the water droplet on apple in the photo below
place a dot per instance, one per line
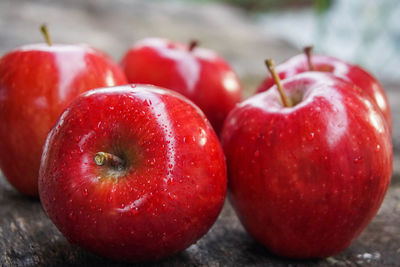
(257, 154)
(134, 211)
(72, 216)
(148, 102)
(377, 148)
(358, 160)
(85, 192)
(172, 196)
(310, 137)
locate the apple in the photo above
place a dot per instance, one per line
(37, 82)
(133, 174)
(317, 166)
(353, 73)
(197, 73)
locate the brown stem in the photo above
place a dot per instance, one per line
(271, 67)
(193, 44)
(46, 34)
(103, 158)
(307, 51)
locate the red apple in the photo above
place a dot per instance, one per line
(347, 71)
(197, 73)
(315, 171)
(133, 174)
(37, 82)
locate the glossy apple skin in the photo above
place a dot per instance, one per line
(171, 191)
(315, 174)
(37, 82)
(347, 71)
(200, 75)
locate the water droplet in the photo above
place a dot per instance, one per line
(134, 211)
(310, 137)
(72, 216)
(172, 196)
(257, 154)
(85, 192)
(358, 160)
(147, 102)
(377, 148)
(164, 237)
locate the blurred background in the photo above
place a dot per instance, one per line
(245, 32)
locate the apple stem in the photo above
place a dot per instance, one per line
(271, 67)
(103, 158)
(46, 34)
(193, 44)
(307, 51)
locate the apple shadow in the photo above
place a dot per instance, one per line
(261, 252)
(61, 253)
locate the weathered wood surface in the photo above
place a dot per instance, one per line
(28, 238)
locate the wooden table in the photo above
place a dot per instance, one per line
(28, 238)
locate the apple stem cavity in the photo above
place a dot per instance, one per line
(103, 158)
(46, 34)
(271, 67)
(193, 44)
(307, 51)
